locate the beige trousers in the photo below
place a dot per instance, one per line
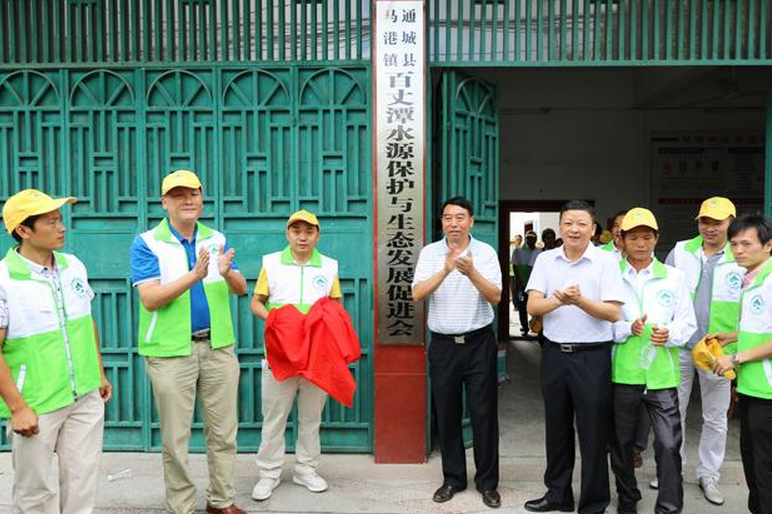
(215, 374)
(74, 433)
(277, 398)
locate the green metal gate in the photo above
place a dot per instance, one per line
(265, 141)
(468, 159)
(467, 162)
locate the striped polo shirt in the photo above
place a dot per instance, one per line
(456, 306)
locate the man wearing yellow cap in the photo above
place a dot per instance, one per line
(657, 320)
(714, 280)
(184, 273)
(52, 383)
(298, 275)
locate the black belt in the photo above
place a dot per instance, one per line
(578, 347)
(200, 335)
(462, 338)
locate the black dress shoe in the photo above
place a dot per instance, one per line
(446, 492)
(491, 498)
(544, 505)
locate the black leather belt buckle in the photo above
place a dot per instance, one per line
(567, 348)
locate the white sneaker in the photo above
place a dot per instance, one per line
(264, 487)
(311, 481)
(654, 483)
(711, 491)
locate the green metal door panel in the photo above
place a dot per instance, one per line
(109, 136)
(333, 121)
(31, 112)
(467, 162)
(256, 135)
(180, 122)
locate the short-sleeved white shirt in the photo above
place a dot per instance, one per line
(457, 306)
(598, 277)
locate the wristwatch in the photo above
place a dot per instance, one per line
(735, 360)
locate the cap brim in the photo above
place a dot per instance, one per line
(627, 229)
(296, 220)
(186, 186)
(714, 216)
(53, 205)
(45, 208)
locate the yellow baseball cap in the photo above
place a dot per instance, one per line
(639, 217)
(718, 208)
(180, 178)
(30, 202)
(303, 215)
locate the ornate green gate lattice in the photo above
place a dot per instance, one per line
(265, 141)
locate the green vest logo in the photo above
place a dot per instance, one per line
(320, 282)
(734, 280)
(78, 287)
(666, 297)
(757, 305)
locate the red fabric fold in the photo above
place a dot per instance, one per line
(317, 346)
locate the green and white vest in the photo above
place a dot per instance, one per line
(38, 340)
(167, 332)
(727, 283)
(612, 248)
(658, 301)
(755, 378)
(300, 286)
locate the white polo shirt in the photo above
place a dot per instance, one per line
(457, 306)
(596, 273)
(284, 281)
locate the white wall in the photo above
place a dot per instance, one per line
(540, 221)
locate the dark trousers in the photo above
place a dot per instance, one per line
(471, 366)
(577, 386)
(756, 451)
(662, 409)
(643, 428)
(522, 311)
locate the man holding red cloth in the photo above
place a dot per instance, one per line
(300, 351)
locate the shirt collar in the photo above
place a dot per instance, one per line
(717, 255)
(37, 268)
(180, 237)
(750, 277)
(647, 271)
(589, 253)
(287, 258)
(472, 242)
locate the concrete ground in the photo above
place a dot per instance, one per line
(358, 485)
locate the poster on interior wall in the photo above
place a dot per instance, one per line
(399, 64)
(688, 167)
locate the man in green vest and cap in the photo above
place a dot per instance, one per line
(184, 273)
(751, 239)
(52, 383)
(657, 319)
(715, 281)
